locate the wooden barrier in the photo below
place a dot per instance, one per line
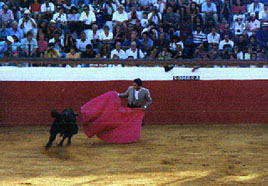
(174, 102)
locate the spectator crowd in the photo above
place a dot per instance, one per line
(135, 29)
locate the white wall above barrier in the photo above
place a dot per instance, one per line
(128, 73)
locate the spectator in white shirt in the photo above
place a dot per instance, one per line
(134, 52)
(153, 2)
(47, 6)
(155, 16)
(239, 54)
(209, 9)
(28, 24)
(94, 36)
(238, 26)
(83, 42)
(199, 37)
(87, 16)
(118, 53)
(73, 16)
(243, 16)
(160, 5)
(263, 15)
(144, 20)
(174, 44)
(47, 9)
(29, 46)
(60, 17)
(213, 37)
(1, 5)
(253, 25)
(120, 16)
(145, 4)
(199, 2)
(6, 15)
(226, 41)
(105, 35)
(255, 7)
(94, 33)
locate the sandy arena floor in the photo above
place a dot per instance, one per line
(165, 155)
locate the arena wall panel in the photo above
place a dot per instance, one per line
(174, 102)
(226, 101)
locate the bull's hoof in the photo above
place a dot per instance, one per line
(69, 143)
(60, 145)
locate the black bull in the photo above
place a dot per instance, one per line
(64, 124)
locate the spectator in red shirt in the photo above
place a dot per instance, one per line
(239, 8)
(35, 8)
(42, 45)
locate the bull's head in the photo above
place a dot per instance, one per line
(67, 115)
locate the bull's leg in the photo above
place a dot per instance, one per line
(50, 141)
(69, 140)
(61, 142)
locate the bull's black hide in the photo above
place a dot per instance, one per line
(64, 124)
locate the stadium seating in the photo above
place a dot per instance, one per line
(135, 29)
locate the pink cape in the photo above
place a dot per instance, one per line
(103, 116)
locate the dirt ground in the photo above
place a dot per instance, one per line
(165, 155)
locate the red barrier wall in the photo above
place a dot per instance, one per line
(223, 101)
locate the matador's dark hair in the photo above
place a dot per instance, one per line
(138, 81)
